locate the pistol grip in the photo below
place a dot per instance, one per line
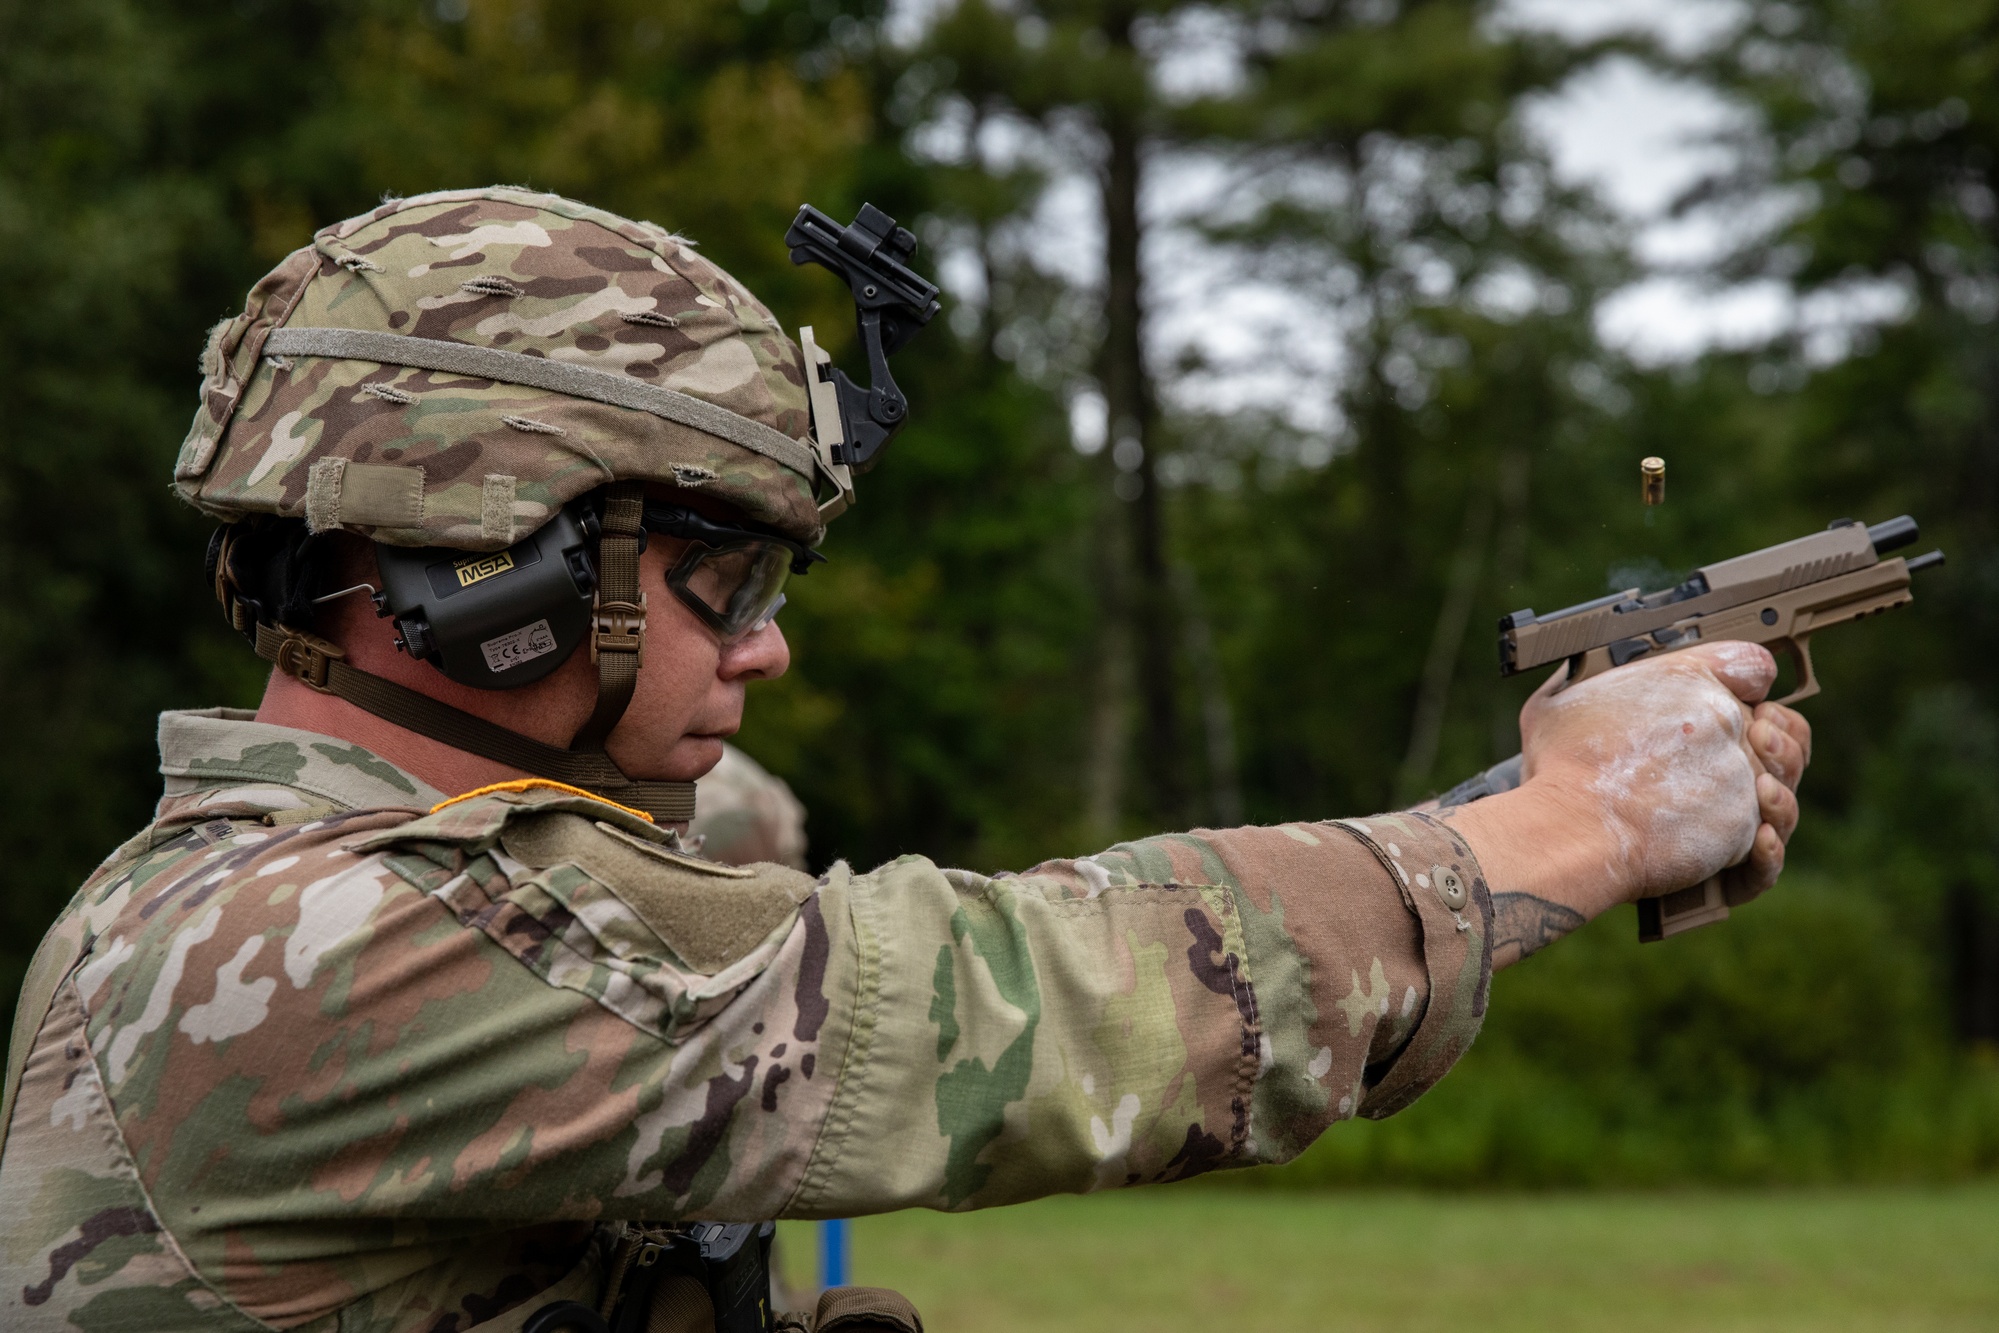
(1704, 904)
(1799, 650)
(1671, 913)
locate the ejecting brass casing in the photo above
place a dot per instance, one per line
(1652, 473)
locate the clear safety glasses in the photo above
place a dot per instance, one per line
(731, 576)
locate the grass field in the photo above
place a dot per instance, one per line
(1407, 1263)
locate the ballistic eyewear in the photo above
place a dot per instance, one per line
(732, 575)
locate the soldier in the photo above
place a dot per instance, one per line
(411, 1006)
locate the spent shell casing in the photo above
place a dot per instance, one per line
(1652, 476)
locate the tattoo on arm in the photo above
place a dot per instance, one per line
(1523, 923)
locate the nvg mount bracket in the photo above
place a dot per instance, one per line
(891, 303)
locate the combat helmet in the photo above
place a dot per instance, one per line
(483, 382)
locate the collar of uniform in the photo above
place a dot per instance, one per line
(280, 768)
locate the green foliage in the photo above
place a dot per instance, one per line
(947, 696)
(1802, 1043)
(947, 627)
(119, 243)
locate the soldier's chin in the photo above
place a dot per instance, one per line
(688, 758)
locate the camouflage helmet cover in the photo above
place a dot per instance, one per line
(451, 369)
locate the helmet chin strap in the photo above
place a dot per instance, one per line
(617, 646)
(320, 665)
(618, 621)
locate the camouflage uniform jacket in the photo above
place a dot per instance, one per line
(307, 1053)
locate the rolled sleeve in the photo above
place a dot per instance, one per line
(1367, 943)
(1440, 882)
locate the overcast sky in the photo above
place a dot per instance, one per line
(1641, 139)
(1638, 138)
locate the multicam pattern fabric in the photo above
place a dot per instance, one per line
(420, 457)
(310, 1057)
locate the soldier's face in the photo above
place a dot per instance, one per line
(690, 691)
(689, 695)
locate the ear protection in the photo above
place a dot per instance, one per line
(498, 619)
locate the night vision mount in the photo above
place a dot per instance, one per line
(891, 303)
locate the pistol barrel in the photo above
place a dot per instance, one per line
(1893, 535)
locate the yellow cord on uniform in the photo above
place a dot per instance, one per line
(528, 784)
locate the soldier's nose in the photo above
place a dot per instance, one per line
(763, 655)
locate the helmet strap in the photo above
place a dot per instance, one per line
(618, 621)
(319, 664)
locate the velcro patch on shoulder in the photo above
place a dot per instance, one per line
(708, 914)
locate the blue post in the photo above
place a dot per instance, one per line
(833, 1253)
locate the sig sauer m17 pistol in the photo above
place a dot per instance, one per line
(1779, 597)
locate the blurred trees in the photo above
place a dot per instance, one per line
(1083, 79)
(1883, 131)
(124, 232)
(1035, 634)
(1399, 113)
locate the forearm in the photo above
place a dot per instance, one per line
(1164, 1008)
(1549, 865)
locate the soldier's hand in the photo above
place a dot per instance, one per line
(1678, 762)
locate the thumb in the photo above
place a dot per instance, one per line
(1747, 669)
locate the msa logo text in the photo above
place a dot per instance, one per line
(482, 567)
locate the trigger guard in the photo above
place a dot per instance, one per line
(1808, 680)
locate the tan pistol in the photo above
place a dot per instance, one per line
(1779, 597)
